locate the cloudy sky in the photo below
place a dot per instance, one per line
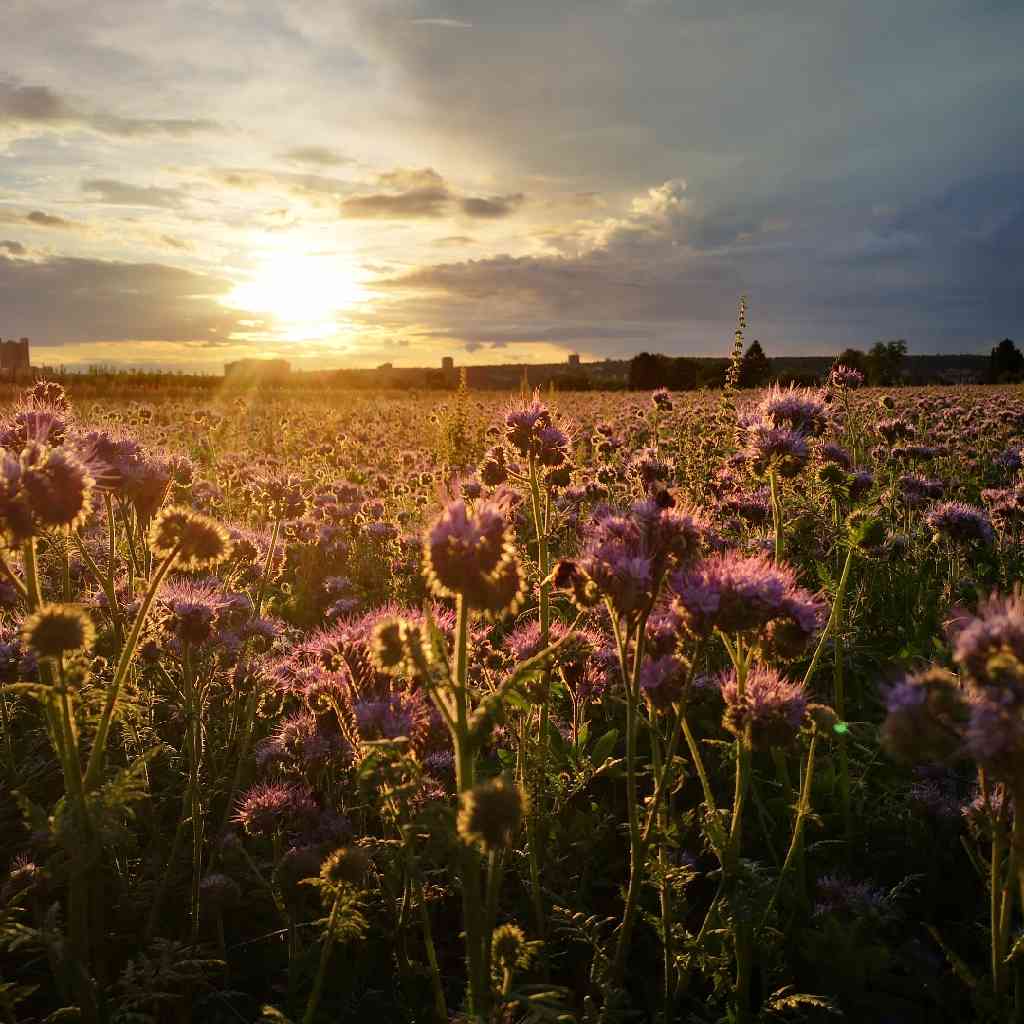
(347, 182)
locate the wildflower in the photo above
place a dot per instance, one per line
(662, 680)
(960, 522)
(777, 449)
(801, 410)
(770, 709)
(490, 814)
(219, 892)
(736, 594)
(990, 645)
(197, 541)
(57, 486)
(844, 378)
(58, 629)
(925, 713)
(271, 808)
(523, 426)
(473, 555)
(347, 864)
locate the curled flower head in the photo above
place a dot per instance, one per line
(738, 594)
(58, 629)
(198, 542)
(925, 714)
(774, 449)
(58, 487)
(490, 814)
(770, 707)
(473, 555)
(271, 808)
(844, 378)
(523, 427)
(797, 409)
(662, 681)
(961, 523)
(989, 646)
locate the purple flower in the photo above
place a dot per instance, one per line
(736, 593)
(771, 707)
(801, 410)
(271, 808)
(960, 522)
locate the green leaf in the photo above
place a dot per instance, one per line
(604, 747)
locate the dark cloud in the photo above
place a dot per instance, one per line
(47, 220)
(491, 208)
(67, 300)
(319, 156)
(414, 204)
(38, 106)
(452, 240)
(14, 248)
(121, 193)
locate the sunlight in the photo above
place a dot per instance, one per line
(299, 290)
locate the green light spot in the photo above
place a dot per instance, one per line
(841, 727)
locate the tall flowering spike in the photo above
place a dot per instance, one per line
(771, 707)
(201, 543)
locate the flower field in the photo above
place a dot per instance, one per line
(602, 707)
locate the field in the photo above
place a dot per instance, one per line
(596, 707)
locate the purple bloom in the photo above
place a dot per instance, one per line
(960, 522)
(770, 706)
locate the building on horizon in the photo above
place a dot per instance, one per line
(14, 358)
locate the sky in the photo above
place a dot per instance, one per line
(343, 183)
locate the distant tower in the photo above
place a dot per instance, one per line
(448, 371)
(574, 360)
(14, 358)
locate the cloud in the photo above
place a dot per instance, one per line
(453, 240)
(14, 248)
(319, 156)
(442, 22)
(64, 300)
(47, 220)
(33, 108)
(120, 193)
(414, 204)
(491, 208)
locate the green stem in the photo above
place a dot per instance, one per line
(267, 566)
(321, 971)
(96, 755)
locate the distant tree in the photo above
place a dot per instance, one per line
(755, 366)
(885, 361)
(853, 358)
(680, 374)
(1006, 363)
(645, 372)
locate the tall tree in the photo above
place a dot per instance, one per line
(1006, 362)
(885, 361)
(755, 367)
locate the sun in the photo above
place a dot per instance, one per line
(299, 288)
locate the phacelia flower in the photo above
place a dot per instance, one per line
(771, 707)
(198, 541)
